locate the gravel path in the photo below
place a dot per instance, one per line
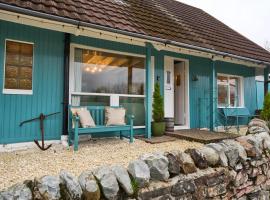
(26, 164)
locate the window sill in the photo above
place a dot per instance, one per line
(20, 92)
(231, 107)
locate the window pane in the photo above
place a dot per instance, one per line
(222, 95)
(234, 98)
(134, 106)
(222, 80)
(18, 66)
(101, 72)
(90, 100)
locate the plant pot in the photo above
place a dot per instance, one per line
(158, 128)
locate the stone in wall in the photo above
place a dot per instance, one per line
(210, 155)
(158, 165)
(223, 161)
(123, 179)
(198, 158)
(70, 186)
(251, 146)
(18, 191)
(186, 163)
(257, 126)
(108, 182)
(89, 186)
(140, 172)
(47, 187)
(180, 162)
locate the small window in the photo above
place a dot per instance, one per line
(18, 68)
(229, 91)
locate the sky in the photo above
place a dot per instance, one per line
(251, 18)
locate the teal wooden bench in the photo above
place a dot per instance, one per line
(97, 113)
(236, 113)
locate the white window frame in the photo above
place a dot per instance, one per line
(114, 98)
(241, 102)
(17, 91)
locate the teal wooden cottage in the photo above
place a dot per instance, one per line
(110, 53)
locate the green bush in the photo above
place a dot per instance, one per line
(265, 114)
(158, 108)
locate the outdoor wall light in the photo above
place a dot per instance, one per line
(195, 78)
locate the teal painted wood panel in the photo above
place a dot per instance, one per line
(260, 94)
(47, 85)
(199, 91)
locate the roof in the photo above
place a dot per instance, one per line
(165, 19)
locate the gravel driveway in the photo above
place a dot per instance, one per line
(26, 164)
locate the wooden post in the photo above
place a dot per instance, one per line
(148, 91)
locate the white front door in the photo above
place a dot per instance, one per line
(168, 87)
(179, 94)
(176, 93)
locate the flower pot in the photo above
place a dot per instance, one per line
(158, 128)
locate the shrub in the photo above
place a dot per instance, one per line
(158, 108)
(265, 114)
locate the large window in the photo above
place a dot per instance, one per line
(102, 72)
(18, 67)
(229, 91)
(108, 78)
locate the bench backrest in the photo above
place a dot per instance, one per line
(234, 112)
(97, 113)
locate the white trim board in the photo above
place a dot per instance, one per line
(114, 98)
(30, 145)
(242, 95)
(95, 33)
(17, 91)
(187, 105)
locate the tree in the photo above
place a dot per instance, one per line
(158, 108)
(265, 114)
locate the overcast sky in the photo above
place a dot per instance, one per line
(251, 18)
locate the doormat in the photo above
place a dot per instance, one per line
(201, 136)
(156, 140)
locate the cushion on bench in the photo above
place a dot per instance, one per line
(86, 119)
(115, 116)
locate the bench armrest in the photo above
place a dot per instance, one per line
(76, 120)
(130, 119)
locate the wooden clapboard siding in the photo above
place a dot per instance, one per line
(47, 85)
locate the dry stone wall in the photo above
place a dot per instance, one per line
(230, 169)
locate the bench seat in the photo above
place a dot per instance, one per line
(236, 113)
(97, 113)
(98, 129)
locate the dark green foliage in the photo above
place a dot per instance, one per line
(135, 187)
(158, 108)
(265, 114)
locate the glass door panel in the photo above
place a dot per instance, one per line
(134, 106)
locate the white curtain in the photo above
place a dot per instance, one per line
(78, 67)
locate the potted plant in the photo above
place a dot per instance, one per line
(158, 124)
(265, 113)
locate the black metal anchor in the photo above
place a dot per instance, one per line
(41, 117)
